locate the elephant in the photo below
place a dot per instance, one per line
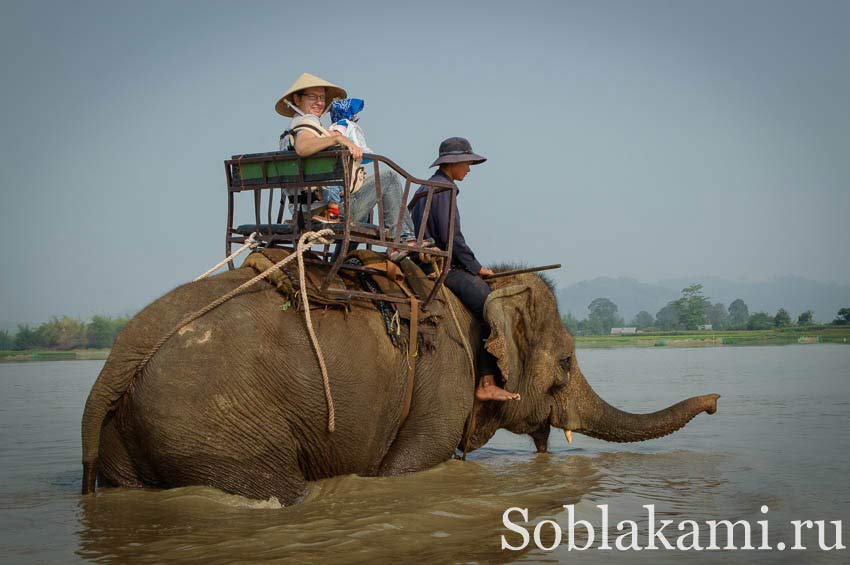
(235, 399)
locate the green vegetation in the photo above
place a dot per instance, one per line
(782, 318)
(775, 336)
(760, 321)
(62, 338)
(680, 323)
(643, 320)
(52, 355)
(739, 314)
(718, 317)
(668, 317)
(6, 340)
(603, 317)
(692, 307)
(692, 312)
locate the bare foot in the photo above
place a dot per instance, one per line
(487, 390)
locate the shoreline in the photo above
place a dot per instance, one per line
(785, 336)
(53, 355)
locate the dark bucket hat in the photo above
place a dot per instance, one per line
(457, 150)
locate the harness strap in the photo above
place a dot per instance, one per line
(318, 130)
(394, 273)
(411, 358)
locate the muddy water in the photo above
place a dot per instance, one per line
(780, 439)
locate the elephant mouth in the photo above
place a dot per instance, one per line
(555, 423)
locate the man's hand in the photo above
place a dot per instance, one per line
(485, 272)
(307, 143)
(355, 151)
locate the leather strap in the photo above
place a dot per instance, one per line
(392, 272)
(411, 358)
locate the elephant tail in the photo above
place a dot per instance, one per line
(134, 348)
(114, 382)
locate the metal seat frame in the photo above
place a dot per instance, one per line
(351, 232)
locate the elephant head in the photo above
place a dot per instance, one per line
(536, 357)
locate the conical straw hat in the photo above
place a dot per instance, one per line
(307, 80)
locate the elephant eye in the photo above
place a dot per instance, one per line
(565, 363)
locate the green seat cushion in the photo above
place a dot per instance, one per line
(316, 169)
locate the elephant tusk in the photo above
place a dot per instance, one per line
(569, 434)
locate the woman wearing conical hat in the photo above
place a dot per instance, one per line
(306, 101)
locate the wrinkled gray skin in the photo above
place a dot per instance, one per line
(235, 399)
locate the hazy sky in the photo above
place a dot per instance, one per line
(642, 139)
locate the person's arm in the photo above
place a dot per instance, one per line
(308, 143)
(461, 253)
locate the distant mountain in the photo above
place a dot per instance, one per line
(795, 294)
(630, 295)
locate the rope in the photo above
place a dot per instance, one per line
(306, 240)
(470, 426)
(463, 340)
(250, 242)
(302, 245)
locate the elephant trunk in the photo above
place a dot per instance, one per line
(590, 415)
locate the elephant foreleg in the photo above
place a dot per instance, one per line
(417, 448)
(541, 438)
(427, 438)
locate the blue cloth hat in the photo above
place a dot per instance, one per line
(346, 109)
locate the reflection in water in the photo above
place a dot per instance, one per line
(452, 512)
(449, 512)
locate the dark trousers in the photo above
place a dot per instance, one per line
(473, 292)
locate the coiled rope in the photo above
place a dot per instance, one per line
(304, 243)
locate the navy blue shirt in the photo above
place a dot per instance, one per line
(438, 225)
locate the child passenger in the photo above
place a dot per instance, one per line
(344, 116)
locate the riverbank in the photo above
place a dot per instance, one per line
(53, 355)
(783, 336)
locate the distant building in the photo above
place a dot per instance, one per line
(623, 331)
(706, 327)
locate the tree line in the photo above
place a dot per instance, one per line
(688, 312)
(65, 333)
(691, 311)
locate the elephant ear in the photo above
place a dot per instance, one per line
(508, 311)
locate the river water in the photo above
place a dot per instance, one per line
(780, 438)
